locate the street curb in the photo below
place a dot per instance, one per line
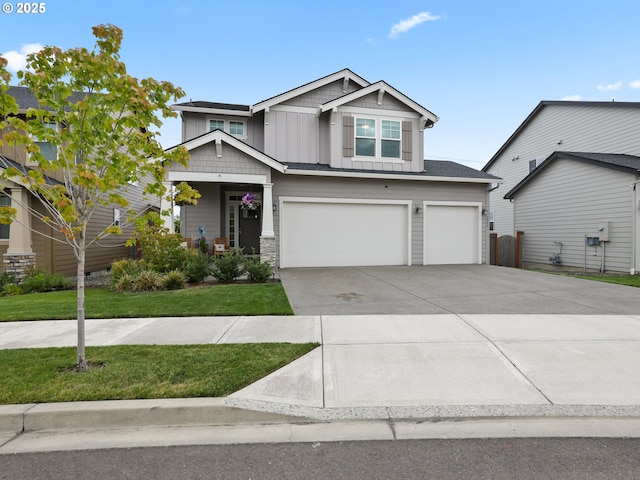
(130, 413)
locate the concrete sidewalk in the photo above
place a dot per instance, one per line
(375, 368)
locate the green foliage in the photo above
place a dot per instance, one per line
(41, 375)
(208, 300)
(124, 283)
(257, 271)
(127, 266)
(40, 281)
(5, 279)
(147, 281)
(161, 251)
(196, 266)
(11, 289)
(226, 268)
(174, 280)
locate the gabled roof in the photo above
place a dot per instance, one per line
(382, 88)
(26, 99)
(559, 103)
(6, 162)
(616, 161)
(218, 136)
(345, 74)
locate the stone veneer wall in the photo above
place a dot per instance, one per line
(268, 250)
(18, 264)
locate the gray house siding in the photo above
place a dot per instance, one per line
(204, 159)
(567, 201)
(580, 128)
(206, 213)
(383, 189)
(196, 124)
(292, 136)
(322, 95)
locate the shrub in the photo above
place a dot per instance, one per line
(5, 279)
(226, 268)
(258, 272)
(161, 251)
(39, 281)
(124, 283)
(196, 266)
(12, 289)
(147, 281)
(127, 266)
(173, 280)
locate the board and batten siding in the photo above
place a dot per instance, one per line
(567, 201)
(579, 128)
(383, 189)
(292, 135)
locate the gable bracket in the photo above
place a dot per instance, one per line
(218, 148)
(334, 111)
(345, 84)
(266, 116)
(380, 95)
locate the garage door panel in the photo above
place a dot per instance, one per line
(451, 235)
(343, 234)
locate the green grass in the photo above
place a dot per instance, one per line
(134, 372)
(209, 300)
(630, 280)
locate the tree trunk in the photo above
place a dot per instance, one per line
(81, 361)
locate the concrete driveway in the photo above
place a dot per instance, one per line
(459, 289)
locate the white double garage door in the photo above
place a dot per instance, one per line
(353, 232)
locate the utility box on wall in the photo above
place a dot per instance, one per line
(600, 235)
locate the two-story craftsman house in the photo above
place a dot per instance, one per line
(337, 175)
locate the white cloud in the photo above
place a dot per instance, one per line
(634, 84)
(609, 87)
(573, 98)
(18, 60)
(409, 23)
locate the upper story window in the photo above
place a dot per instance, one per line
(5, 201)
(237, 128)
(378, 138)
(48, 151)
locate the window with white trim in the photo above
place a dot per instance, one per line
(216, 125)
(48, 151)
(5, 201)
(237, 128)
(378, 138)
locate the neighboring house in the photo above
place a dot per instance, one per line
(337, 166)
(573, 126)
(28, 242)
(580, 211)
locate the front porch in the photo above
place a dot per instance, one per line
(224, 210)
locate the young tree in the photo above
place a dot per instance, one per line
(105, 140)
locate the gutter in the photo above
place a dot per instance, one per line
(386, 176)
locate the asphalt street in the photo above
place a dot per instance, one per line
(496, 459)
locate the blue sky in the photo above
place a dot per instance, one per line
(481, 66)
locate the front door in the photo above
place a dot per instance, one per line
(243, 226)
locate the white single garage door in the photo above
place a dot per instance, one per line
(452, 234)
(343, 233)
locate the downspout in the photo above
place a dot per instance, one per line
(634, 226)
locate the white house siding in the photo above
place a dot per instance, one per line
(569, 199)
(414, 191)
(580, 128)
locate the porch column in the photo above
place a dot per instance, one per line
(267, 210)
(166, 207)
(19, 231)
(19, 257)
(268, 236)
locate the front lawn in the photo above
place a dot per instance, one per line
(207, 300)
(629, 280)
(139, 371)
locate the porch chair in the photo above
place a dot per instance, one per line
(221, 246)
